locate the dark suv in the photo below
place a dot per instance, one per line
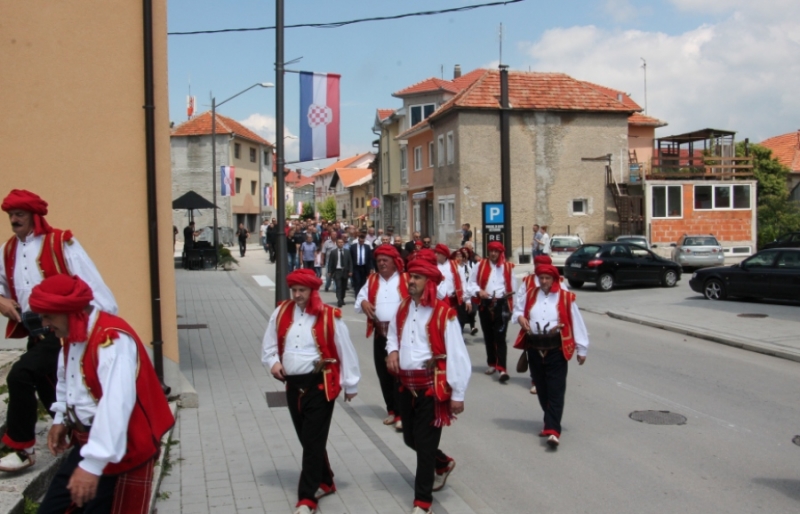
(610, 264)
(790, 240)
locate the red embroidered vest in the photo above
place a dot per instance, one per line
(323, 332)
(459, 287)
(151, 416)
(485, 269)
(373, 284)
(50, 260)
(565, 300)
(442, 313)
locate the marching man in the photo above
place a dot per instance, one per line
(450, 289)
(427, 353)
(492, 286)
(308, 347)
(551, 329)
(109, 403)
(379, 300)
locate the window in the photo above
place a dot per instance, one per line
(447, 209)
(252, 155)
(420, 112)
(238, 185)
(430, 154)
(403, 164)
(451, 148)
(579, 207)
(237, 150)
(267, 162)
(253, 186)
(440, 160)
(667, 201)
(736, 196)
(403, 213)
(417, 158)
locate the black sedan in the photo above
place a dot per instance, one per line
(610, 264)
(790, 240)
(773, 273)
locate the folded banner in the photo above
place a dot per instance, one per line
(268, 196)
(228, 176)
(319, 116)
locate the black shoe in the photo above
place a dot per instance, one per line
(504, 378)
(473, 331)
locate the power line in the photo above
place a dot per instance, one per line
(337, 24)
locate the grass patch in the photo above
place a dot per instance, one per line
(163, 495)
(166, 465)
(3, 389)
(31, 507)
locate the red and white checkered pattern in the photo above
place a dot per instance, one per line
(319, 115)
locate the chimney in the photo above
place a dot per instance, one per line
(457, 71)
(619, 97)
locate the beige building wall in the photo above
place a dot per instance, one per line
(640, 139)
(245, 201)
(73, 131)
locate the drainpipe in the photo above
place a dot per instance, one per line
(505, 156)
(152, 210)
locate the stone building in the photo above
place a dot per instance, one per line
(238, 146)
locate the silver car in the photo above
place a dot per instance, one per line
(637, 240)
(562, 247)
(698, 251)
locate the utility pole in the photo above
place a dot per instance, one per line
(644, 67)
(505, 157)
(281, 290)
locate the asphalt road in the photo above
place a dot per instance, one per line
(734, 454)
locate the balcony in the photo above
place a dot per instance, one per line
(708, 154)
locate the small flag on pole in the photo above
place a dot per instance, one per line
(228, 176)
(190, 101)
(319, 115)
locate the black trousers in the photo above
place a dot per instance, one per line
(58, 498)
(421, 436)
(360, 274)
(242, 246)
(311, 415)
(550, 375)
(494, 329)
(34, 373)
(271, 242)
(388, 382)
(340, 277)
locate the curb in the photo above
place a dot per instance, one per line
(158, 469)
(743, 344)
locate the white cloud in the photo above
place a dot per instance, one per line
(740, 73)
(264, 126)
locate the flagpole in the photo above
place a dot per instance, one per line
(281, 263)
(214, 173)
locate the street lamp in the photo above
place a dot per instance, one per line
(214, 105)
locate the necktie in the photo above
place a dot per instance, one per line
(360, 255)
(340, 258)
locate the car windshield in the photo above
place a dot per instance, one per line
(568, 242)
(761, 260)
(700, 241)
(587, 250)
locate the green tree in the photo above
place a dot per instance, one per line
(327, 209)
(291, 210)
(308, 210)
(776, 214)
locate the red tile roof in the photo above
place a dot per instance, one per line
(433, 84)
(616, 95)
(344, 163)
(785, 148)
(200, 125)
(304, 181)
(646, 121)
(354, 176)
(384, 113)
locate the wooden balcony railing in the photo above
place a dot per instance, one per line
(711, 168)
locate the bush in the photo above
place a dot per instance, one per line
(327, 209)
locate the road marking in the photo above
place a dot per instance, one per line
(678, 406)
(264, 281)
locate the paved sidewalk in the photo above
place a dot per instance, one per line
(235, 454)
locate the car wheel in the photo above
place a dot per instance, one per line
(714, 289)
(669, 279)
(605, 282)
(575, 284)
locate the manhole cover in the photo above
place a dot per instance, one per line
(752, 315)
(658, 417)
(276, 399)
(796, 440)
(191, 326)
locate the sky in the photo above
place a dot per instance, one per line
(726, 64)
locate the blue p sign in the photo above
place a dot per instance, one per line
(494, 213)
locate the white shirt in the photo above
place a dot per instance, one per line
(415, 351)
(463, 272)
(387, 299)
(446, 287)
(545, 312)
(521, 293)
(263, 230)
(117, 366)
(544, 244)
(360, 257)
(495, 286)
(27, 274)
(300, 352)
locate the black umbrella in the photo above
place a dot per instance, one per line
(192, 201)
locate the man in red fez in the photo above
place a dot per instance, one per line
(109, 405)
(551, 330)
(35, 252)
(451, 288)
(427, 353)
(308, 347)
(379, 300)
(492, 287)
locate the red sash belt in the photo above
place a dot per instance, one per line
(425, 380)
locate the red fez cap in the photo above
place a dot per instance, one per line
(547, 269)
(542, 259)
(307, 278)
(27, 201)
(64, 294)
(418, 243)
(390, 251)
(442, 249)
(432, 273)
(425, 254)
(498, 247)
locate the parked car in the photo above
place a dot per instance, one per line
(772, 273)
(790, 240)
(637, 240)
(562, 247)
(614, 263)
(698, 251)
(225, 235)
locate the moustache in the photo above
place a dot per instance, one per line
(16, 224)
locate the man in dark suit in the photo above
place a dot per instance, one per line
(340, 267)
(361, 255)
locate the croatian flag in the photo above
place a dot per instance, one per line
(268, 196)
(228, 176)
(300, 208)
(319, 116)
